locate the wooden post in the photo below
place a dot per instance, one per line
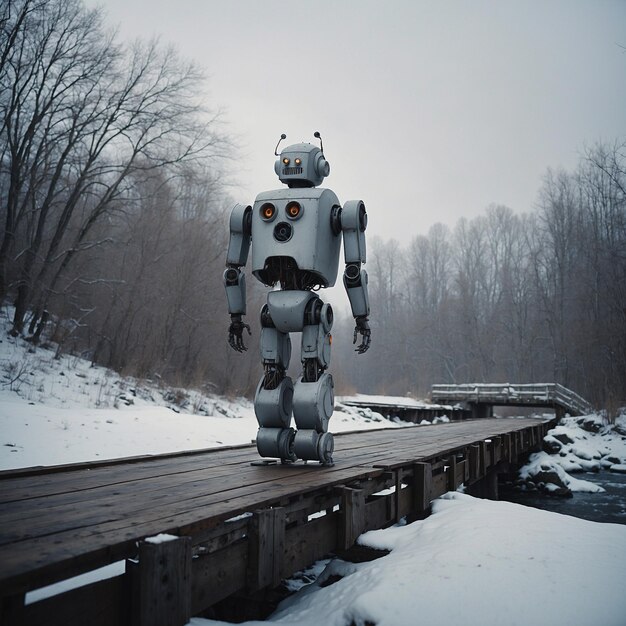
(516, 446)
(397, 494)
(484, 463)
(353, 516)
(496, 450)
(422, 481)
(266, 548)
(486, 487)
(474, 460)
(452, 473)
(162, 583)
(508, 452)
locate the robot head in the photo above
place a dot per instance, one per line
(302, 164)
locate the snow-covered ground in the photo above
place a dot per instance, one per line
(472, 561)
(67, 411)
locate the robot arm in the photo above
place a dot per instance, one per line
(353, 224)
(234, 278)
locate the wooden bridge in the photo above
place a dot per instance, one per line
(481, 397)
(407, 409)
(233, 528)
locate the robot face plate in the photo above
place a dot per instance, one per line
(302, 165)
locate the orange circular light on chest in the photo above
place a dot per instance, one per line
(267, 211)
(293, 209)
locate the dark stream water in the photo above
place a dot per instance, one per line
(609, 506)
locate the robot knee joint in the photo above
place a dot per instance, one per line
(273, 407)
(313, 403)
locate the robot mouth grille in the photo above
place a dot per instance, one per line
(288, 171)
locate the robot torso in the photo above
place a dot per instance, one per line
(294, 242)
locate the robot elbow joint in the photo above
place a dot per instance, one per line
(352, 275)
(231, 276)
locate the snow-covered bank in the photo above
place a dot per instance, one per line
(474, 562)
(576, 444)
(57, 411)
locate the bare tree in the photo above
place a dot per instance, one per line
(96, 114)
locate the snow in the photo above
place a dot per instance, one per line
(543, 462)
(68, 411)
(472, 561)
(580, 444)
(108, 571)
(399, 401)
(160, 538)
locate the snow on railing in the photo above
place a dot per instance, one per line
(507, 393)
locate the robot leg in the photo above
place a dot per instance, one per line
(273, 400)
(314, 396)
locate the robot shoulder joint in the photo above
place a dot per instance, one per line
(241, 219)
(354, 216)
(353, 225)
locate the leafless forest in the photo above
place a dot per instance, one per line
(114, 203)
(538, 297)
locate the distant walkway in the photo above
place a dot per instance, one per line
(406, 409)
(482, 397)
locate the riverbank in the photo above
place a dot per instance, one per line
(580, 471)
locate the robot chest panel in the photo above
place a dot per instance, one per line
(297, 225)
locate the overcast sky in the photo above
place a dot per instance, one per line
(429, 111)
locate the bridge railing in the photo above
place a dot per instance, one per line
(572, 399)
(508, 393)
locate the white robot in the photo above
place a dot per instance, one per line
(296, 238)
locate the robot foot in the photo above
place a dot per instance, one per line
(313, 446)
(277, 443)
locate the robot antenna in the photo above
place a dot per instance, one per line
(317, 135)
(283, 136)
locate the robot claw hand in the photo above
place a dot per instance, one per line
(235, 333)
(363, 328)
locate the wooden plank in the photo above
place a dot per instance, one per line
(422, 485)
(452, 473)
(309, 542)
(168, 500)
(474, 462)
(58, 481)
(377, 513)
(405, 502)
(218, 576)
(352, 516)
(439, 485)
(396, 494)
(162, 583)
(46, 470)
(484, 457)
(266, 545)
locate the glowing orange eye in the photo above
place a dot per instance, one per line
(267, 211)
(298, 161)
(286, 161)
(293, 209)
